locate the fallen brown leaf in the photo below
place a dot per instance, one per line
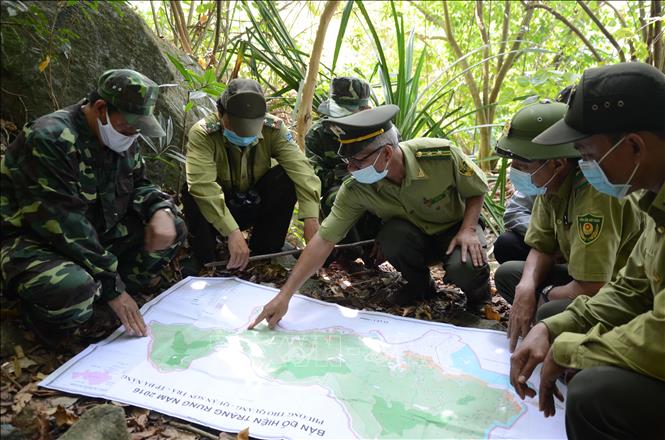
(244, 434)
(64, 417)
(147, 433)
(43, 426)
(23, 397)
(490, 313)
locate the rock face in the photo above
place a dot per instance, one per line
(102, 422)
(81, 43)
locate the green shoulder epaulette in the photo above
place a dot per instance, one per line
(273, 122)
(433, 153)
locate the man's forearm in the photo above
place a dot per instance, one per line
(536, 267)
(311, 259)
(574, 289)
(472, 212)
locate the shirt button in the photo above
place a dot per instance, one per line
(558, 221)
(660, 229)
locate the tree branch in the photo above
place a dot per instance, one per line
(572, 27)
(504, 34)
(154, 17)
(633, 55)
(304, 118)
(658, 48)
(603, 29)
(486, 49)
(179, 18)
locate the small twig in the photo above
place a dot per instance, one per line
(192, 429)
(289, 252)
(12, 380)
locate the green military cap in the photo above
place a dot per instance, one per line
(245, 105)
(611, 99)
(356, 131)
(347, 95)
(134, 95)
(528, 122)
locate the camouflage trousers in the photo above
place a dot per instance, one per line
(56, 292)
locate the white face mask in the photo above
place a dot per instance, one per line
(112, 138)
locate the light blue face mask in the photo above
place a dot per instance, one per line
(241, 141)
(522, 182)
(595, 175)
(369, 174)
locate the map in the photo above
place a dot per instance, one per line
(326, 372)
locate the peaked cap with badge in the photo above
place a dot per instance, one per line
(245, 105)
(357, 131)
(347, 95)
(528, 122)
(134, 95)
(611, 99)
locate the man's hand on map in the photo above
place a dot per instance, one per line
(239, 251)
(128, 312)
(521, 314)
(273, 311)
(530, 353)
(548, 389)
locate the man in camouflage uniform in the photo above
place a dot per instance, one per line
(348, 95)
(429, 195)
(80, 220)
(232, 184)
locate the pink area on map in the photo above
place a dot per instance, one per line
(92, 377)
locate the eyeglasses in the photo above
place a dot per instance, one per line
(358, 162)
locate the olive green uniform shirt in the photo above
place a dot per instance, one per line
(594, 232)
(208, 164)
(624, 323)
(438, 178)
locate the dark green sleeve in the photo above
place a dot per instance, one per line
(147, 197)
(45, 174)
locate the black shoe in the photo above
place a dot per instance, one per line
(48, 336)
(476, 300)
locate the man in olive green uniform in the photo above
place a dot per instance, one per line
(429, 196)
(81, 222)
(232, 185)
(593, 232)
(616, 118)
(348, 95)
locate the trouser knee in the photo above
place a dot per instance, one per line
(506, 278)
(401, 241)
(474, 281)
(60, 297)
(552, 308)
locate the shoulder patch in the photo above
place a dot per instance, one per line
(212, 126)
(589, 227)
(464, 168)
(273, 122)
(433, 153)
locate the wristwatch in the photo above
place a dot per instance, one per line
(545, 293)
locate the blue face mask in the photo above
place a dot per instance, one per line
(241, 141)
(369, 174)
(522, 182)
(595, 175)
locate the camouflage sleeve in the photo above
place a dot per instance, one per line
(46, 188)
(147, 197)
(299, 170)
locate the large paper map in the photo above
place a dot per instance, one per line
(326, 372)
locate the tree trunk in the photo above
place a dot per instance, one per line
(179, 18)
(154, 17)
(304, 119)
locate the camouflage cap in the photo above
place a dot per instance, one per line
(347, 95)
(528, 122)
(134, 95)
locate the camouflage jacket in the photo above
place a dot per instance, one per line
(321, 148)
(61, 187)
